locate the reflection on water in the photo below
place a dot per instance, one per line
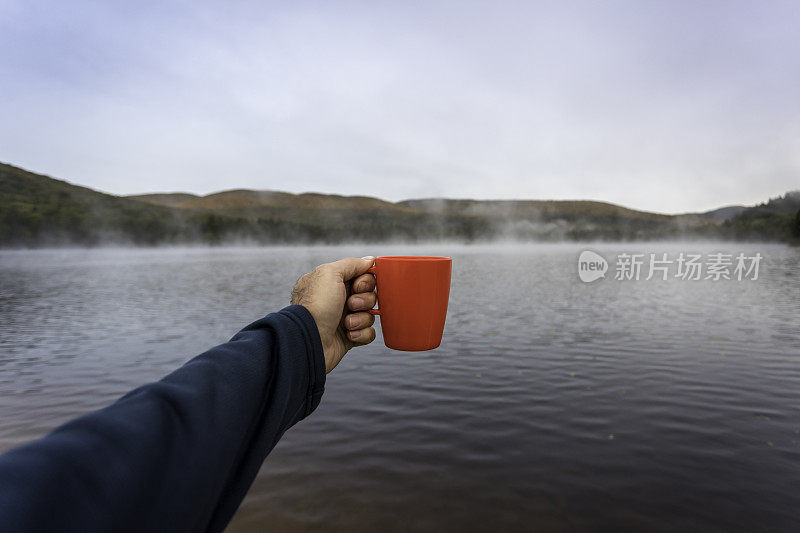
(551, 405)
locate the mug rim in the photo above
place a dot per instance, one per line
(421, 258)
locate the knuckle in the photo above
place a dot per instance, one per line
(321, 269)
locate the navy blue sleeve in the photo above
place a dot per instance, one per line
(178, 454)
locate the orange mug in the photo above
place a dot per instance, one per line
(412, 300)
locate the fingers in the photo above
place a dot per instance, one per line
(358, 321)
(361, 336)
(351, 267)
(364, 283)
(363, 301)
(359, 324)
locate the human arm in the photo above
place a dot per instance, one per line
(180, 454)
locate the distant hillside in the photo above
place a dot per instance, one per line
(527, 208)
(723, 213)
(37, 210)
(174, 199)
(436, 218)
(241, 200)
(775, 220)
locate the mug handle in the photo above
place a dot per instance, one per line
(373, 270)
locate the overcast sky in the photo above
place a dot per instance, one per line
(665, 106)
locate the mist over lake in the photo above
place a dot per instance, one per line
(551, 404)
(37, 211)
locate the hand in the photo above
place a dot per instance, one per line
(325, 291)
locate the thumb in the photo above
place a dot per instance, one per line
(351, 267)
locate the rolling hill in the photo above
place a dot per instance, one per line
(37, 210)
(436, 218)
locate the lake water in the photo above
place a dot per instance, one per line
(551, 405)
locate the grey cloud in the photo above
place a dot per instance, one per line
(664, 106)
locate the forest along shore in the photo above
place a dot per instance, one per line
(38, 211)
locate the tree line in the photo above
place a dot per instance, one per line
(39, 211)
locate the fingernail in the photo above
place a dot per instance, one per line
(351, 321)
(357, 302)
(354, 335)
(361, 286)
(368, 258)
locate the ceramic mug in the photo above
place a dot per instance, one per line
(413, 292)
